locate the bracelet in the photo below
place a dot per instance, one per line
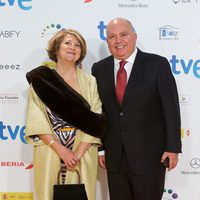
(51, 142)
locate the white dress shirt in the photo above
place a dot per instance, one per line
(128, 66)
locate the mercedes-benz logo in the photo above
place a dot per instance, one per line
(195, 163)
(176, 1)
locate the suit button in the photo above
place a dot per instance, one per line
(121, 114)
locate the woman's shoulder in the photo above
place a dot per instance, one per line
(86, 75)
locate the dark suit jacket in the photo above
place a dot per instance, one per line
(148, 121)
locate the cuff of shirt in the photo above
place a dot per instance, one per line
(101, 153)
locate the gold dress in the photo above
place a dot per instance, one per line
(46, 162)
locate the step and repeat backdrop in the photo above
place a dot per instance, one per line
(169, 28)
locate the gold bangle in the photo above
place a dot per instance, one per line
(51, 142)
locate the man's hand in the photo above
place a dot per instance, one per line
(102, 163)
(173, 159)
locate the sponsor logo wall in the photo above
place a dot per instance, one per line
(169, 28)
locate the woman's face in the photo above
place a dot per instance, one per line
(69, 50)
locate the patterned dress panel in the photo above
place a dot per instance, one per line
(65, 133)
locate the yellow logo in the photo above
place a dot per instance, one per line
(185, 132)
(16, 195)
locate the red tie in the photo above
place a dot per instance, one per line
(121, 81)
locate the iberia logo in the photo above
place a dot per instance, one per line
(87, 1)
(30, 166)
(15, 164)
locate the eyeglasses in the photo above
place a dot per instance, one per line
(69, 43)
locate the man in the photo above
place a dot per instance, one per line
(144, 120)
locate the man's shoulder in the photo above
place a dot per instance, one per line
(105, 60)
(149, 55)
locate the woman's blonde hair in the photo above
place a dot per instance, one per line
(56, 40)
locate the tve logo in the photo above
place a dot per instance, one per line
(102, 28)
(8, 132)
(22, 4)
(180, 66)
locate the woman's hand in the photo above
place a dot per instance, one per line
(81, 149)
(68, 157)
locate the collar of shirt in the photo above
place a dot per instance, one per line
(128, 66)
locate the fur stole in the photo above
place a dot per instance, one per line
(68, 104)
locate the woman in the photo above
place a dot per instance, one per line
(63, 117)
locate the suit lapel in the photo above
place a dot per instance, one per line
(135, 76)
(110, 80)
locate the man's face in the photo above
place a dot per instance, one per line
(121, 39)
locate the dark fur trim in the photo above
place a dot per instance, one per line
(63, 100)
